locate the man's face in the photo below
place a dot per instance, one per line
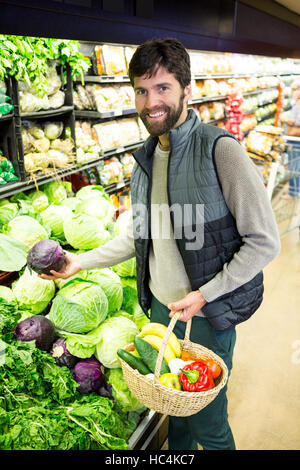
(160, 101)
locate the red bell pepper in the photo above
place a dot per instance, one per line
(196, 377)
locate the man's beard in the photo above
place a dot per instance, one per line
(160, 128)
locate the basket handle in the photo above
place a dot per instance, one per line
(165, 341)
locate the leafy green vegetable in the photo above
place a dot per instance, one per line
(7, 212)
(26, 230)
(111, 285)
(126, 269)
(114, 333)
(13, 254)
(79, 307)
(54, 217)
(131, 304)
(121, 392)
(85, 232)
(32, 292)
(55, 191)
(39, 200)
(27, 58)
(98, 207)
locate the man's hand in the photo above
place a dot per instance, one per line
(72, 267)
(190, 305)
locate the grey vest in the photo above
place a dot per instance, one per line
(205, 230)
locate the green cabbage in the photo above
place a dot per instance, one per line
(60, 282)
(122, 223)
(85, 232)
(54, 216)
(114, 333)
(39, 201)
(111, 285)
(7, 294)
(126, 269)
(26, 230)
(32, 292)
(13, 254)
(79, 307)
(90, 191)
(55, 191)
(98, 207)
(70, 202)
(121, 392)
(8, 212)
(131, 305)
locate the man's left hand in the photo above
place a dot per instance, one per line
(190, 305)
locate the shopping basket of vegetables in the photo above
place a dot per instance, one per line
(172, 376)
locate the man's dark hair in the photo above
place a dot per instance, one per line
(168, 53)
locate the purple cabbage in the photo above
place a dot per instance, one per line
(36, 328)
(61, 355)
(88, 373)
(46, 255)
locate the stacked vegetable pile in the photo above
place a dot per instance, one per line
(60, 369)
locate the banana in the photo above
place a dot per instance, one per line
(159, 329)
(156, 343)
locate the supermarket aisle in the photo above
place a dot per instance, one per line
(264, 390)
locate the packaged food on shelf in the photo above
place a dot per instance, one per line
(7, 171)
(127, 161)
(128, 52)
(126, 96)
(248, 122)
(106, 97)
(259, 142)
(5, 107)
(204, 113)
(144, 134)
(110, 60)
(110, 171)
(84, 97)
(87, 147)
(129, 131)
(108, 134)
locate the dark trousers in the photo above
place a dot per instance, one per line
(210, 426)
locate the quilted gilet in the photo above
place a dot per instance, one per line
(204, 228)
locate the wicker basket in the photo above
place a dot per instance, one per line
(168, 400)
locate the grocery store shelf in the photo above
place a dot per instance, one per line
(201, 76)
(47, 113)
(6, 117)
(88, 114)
(259, 90)
(12, 188)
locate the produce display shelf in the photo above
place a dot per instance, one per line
(151, 432)
(6, 117)
(195, 76)
(259, 90)
(266, 116)
(89, 114)
(205, 99)
(9, 189)
(104, 78)
(47, 113)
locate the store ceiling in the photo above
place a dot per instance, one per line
(293, 5)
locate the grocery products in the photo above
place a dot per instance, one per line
(196, 377)
(7, 171)
(149, 355)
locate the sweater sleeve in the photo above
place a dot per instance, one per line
(115, 251)
(247, 200)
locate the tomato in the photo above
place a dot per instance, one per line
(185, 356)
(213, 367)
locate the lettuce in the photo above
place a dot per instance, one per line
(121, 392)
(85, 232)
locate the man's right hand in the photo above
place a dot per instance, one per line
(72, 267)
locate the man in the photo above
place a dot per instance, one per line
(204, 255)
